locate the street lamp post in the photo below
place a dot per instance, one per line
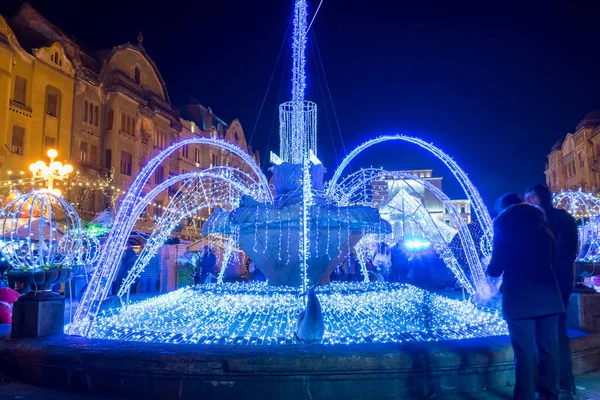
(54, 171)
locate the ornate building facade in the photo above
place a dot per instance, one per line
(36, 102)
(574, 161)
(107, 112)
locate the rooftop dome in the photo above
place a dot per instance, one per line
(591, 120)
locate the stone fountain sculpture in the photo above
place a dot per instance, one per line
(333, 230)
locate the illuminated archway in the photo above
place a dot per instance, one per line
(204, 189)
(130, 208)
(470, 190)
(353, 191)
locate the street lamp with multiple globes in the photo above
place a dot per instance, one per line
(54, 171)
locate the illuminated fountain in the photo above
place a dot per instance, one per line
(585, 208)
(296, 236)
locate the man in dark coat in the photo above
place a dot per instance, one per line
(563, 226)
(523, 250)
(209, 262)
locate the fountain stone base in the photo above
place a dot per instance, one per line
(270, 235)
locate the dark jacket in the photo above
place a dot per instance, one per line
(563, 226)
(524, 251)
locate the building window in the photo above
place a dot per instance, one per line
(185, 151)
(20, 89)
(136, 75)
(91, 113)
(126, 161)
(49, 142)
(159, 176)
(122, 122)
(96, 115)
(52, 104)
(85, 111)
(18, 140)
(197, 155)
(110, 116)
(83, 151)
(581, 159)
(94, 154)
(158, 210)
(463, 210)
(132, 126)
(108, 159)
(447, 222)
(213, 160)
(160, 140)
(554, 176)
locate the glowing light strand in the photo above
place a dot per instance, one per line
(102, 277)
(470, 190)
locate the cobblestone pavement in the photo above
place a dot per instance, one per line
(588, 386)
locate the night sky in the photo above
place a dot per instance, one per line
(494, 85)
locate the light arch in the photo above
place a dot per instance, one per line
(189, 199)
(351, 191)
(129, 210)
(470, 190)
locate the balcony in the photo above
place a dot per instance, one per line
(101, 171)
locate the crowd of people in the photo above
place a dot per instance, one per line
(534, 249)
(394, 264)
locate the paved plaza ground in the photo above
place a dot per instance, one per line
(588, 386)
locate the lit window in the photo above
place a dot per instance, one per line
(18, 140)
(197, 157)
(83, 151)
(158, 210)
(126, 161)
(52, 104)
(20, 89)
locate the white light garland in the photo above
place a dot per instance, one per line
(585, 208)
(258, 314)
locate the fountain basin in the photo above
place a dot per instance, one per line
(349, 372)
(271, 236)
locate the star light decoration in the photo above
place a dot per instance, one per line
(258, 314)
